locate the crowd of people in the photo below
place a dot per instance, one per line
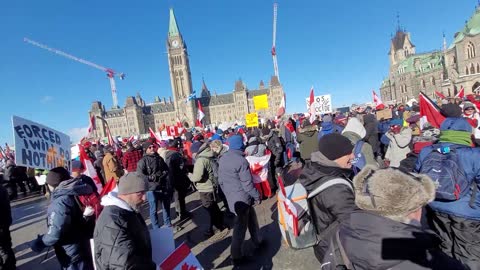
(396, 193)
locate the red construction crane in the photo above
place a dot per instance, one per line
(110, 72)
(274, 52)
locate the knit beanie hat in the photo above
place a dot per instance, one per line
(195, 147)
(132, 182)
(235, 142)
(467, 105)
(57, 175)
(334, 146)
(77, 166)
(451, 110)
(146, 144)
(391, 192)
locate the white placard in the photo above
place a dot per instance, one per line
(322, 104)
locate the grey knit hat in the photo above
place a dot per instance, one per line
(131, 183)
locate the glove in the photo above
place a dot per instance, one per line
(37, 245)
(89, 211)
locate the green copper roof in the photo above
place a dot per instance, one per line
(471, 28)
(421, 63)
(173, 27)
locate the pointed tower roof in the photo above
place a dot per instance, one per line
(205, 91)
(262, 85)
(173, 27)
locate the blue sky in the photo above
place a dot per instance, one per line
(339, 47)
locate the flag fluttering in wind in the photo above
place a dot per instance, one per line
(91, 125)
(377, 101)
(192, 96)
(460, 94)
(440, 95)
(429, 112)
(89, 169)
(281, 109)
(311, 108)
(153, 135)
(200, 114)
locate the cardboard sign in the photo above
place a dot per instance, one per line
(384, 114)
(38, 146)
(182, 258)
(163, 244)
(322, 104)
(251, 120)
(260, 102)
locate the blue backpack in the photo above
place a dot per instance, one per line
(359, 160)
(443, 166)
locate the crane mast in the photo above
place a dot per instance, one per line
(274, 52)
(111, 74)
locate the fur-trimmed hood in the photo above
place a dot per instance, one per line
(391, 192)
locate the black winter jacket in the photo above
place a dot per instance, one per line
(7, 258)
(276, 147)
(154, 168)
(334, 204)
(371, 126)
(122, 239)
(177, 171)
(375, 242)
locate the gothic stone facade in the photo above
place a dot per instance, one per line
(136, 117)
(445, 71)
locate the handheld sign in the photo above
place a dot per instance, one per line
(322, 104)
(39, 146)
(251, 120)
(260, 102)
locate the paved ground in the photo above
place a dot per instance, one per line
(29, 220)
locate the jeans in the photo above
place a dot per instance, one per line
(246, 218)
(153, 198)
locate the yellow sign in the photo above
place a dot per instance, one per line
(251, 120)
(260, 102)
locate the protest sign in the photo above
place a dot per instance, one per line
(384, 114)
(251, 120)
(39, 146)
(182, 258)
(260, 102)
(322, 104)
(163, 244)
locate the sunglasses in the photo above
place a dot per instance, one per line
(152, 147)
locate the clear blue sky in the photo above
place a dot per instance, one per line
(339, 47)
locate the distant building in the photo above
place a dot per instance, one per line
(445, 71)
(136, 117)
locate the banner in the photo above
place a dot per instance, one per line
(251, 120)
(182, 258)
(39, 146)
(260, 102)
(322, 104)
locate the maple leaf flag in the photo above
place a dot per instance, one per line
(460, 94)
(200, 114)
(377, 101)
(89, 169)
(311, 108)
(429, 112)
(440, 95)
(281, 109)
(172, 131)
(153, 135)
(91, 126)
(181, 259)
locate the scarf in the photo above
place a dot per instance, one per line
(456, 136)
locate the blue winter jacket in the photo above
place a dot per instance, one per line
(469, 158)
(235, 179)
(65, 221)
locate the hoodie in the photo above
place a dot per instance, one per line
(355, 131)
(308, 140)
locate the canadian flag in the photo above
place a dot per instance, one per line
(259, 169)
(153, 135)
(311, 108)
(281, 109)
(200, 114)
(181, 259)
(92, 125)
(440, 95)
(172, 131)
(378, 101)
(285, 204)
(460, 94)
(89, 169)
(429, 112)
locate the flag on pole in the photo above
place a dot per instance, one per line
(311, 108)
(172, 131)
(200, 114)
(378, 101)
(281, 109)
(91, 126)
(429, 112)
(440, 95)
(460, 94)
(153, 135)
(191, 96)
(89, 169)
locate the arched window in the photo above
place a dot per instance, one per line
(478, 68)
(466, 70)
(432, 80)
(454, 59)
(472, 69)
(470, 50)
(422, 83)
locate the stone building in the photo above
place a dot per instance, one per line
(136, 117)
(445, 71)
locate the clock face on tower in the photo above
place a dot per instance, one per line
(175, 43)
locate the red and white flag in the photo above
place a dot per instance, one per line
(172, 131)
(460, 94)
(91, 125)
(111, 141)
(281, 109)
(440, 95)
(259, 169)
(377, 101)
(429, 112)
(154, 135)
(89, 169)
(286, 205)
(200, 114)
(181, 259)
(311, 108)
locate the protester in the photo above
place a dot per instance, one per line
(111, 165)
(473, 117)
(131, 157)
(218, 150)
(399, 146)
(205, 179)
(15, 178)
(122, 239)
(66, 231)
(155, 170)
(178, 177)
(308, 139)
(255, 147)
(355, 132)
(327, 126)
(237, 184)
(332, 161)
(371, 126)
(98, 165)
(457, 222)
(7, 256)
(385, 232)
